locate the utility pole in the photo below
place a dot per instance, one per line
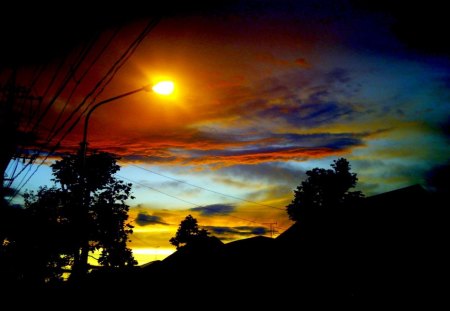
(15, 103)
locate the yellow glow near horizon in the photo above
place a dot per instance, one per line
(164, 87)
(142, 255)
(146, 255)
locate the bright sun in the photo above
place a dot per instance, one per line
(164, 87)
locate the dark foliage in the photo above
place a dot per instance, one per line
(324, 189)
(188, 232)
(60, 226)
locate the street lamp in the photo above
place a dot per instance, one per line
(80, 264)
(163, 88)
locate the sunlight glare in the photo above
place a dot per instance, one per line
(164, 87)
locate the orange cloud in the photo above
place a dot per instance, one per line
(268, 156)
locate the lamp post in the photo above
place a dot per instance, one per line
(163, 88)
(80, 266)
(93, 108)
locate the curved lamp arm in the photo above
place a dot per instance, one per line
(91, 110)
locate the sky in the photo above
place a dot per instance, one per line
(265, 90)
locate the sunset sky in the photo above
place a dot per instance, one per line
(265, 90)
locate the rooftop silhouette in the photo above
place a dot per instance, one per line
(385, 248)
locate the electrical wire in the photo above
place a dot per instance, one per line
(188, 202)
(83, 54)
(101, 83)
(206, 189)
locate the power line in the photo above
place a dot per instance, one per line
(185, 201)
(95, 92)
(73, 70)
(206, 189)
(147, 186)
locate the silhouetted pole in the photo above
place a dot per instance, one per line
(271, 226)
(13, 99)
(103, 102)
(80, 267)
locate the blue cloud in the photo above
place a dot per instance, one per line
(143, 219)
(221, 230)
(228, 233)
(214, 209)
(311, 114)
(339, 75)
(283, 143)
(251, 230)
(321, 140)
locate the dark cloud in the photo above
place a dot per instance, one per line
(252, 230)
(214, 209)
(228, 233)
(143, 219)
(279, 143)
(327, 140)
(318, 95)
(340, 75)
(318, 100)
(310, 115)
(221, 230)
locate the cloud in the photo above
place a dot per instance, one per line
(231, 233)
(221, 231)
(143, 219)
(279, 147)
(321, 140)
(304, 99)
(339, 75)
(257, 147)
(252, 230)
(263, 155)
(214, 209)
(310, 115)
(260, 125)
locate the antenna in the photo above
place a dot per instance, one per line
(271, 227)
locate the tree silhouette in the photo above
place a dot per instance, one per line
(50, 234)
(324, 188)
(79, 229)
(188, 232)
